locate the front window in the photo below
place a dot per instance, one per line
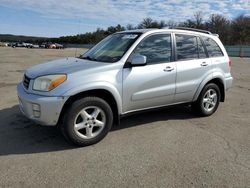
(112, 48)
(157, 49)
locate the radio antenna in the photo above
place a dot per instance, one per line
(78, 33)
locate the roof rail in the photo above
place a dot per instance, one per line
(193, 29)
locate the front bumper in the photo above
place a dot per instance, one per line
(41, 109)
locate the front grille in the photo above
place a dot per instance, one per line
(26, 81)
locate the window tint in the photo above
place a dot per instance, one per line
(157, 48)
(202, 53)
(212, 47)
(186, 46)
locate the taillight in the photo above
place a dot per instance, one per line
(230, 64)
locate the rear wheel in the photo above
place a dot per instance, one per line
(208, 100)
(87, 121)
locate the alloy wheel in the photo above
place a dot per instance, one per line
(210, 100)
(89, 122)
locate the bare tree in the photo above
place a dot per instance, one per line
(171, 24)
(188, 23)
(220, 25)
(198, 20)
(195, 22)
(130, 27)
(241, 30)
(162, 24)
(146, 23)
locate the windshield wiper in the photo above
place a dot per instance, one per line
(88, 58)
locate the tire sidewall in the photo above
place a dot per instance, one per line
(200, 99)
(76, 107)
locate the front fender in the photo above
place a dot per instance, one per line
(97, 85)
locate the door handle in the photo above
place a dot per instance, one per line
(168, 69)
(204, 64)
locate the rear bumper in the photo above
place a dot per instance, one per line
(228, 82)
(41, 109)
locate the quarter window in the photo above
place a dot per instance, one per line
(213, 48)
(157, 48)
(186, 47)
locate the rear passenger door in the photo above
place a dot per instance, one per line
(192, 64)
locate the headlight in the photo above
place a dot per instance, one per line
(48, 82)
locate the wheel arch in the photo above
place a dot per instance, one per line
(221, 86)
(101, 93)
(218, 81)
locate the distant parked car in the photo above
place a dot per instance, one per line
(35, 46)
(55, 46)
(3, 44)
(52, 46)
(17, 44)
(43, 45)
(28, 45)
(20, 44)
(59, 46)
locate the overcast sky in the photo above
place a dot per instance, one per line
(53, 18)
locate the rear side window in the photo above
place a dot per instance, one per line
(157, 48)
(213, 48)
(186, 47)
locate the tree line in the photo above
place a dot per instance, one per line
(231, 32)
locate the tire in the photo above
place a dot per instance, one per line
(87, 121)
(208, 100)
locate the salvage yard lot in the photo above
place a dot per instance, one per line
(166, 148)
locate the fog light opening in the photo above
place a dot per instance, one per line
(35, 107)
(36, 110)
(36, 114)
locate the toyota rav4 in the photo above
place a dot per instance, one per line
(126, 72)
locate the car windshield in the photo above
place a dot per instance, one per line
(112, 48)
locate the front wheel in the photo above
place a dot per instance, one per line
(87, 121)
(208, 100)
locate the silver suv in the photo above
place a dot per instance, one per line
(126, 72)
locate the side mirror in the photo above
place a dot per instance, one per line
(138, 60)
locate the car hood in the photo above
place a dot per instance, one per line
(66, 66)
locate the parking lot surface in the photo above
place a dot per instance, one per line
(164, 148)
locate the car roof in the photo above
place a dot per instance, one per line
(139, 30)
(177, 30)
